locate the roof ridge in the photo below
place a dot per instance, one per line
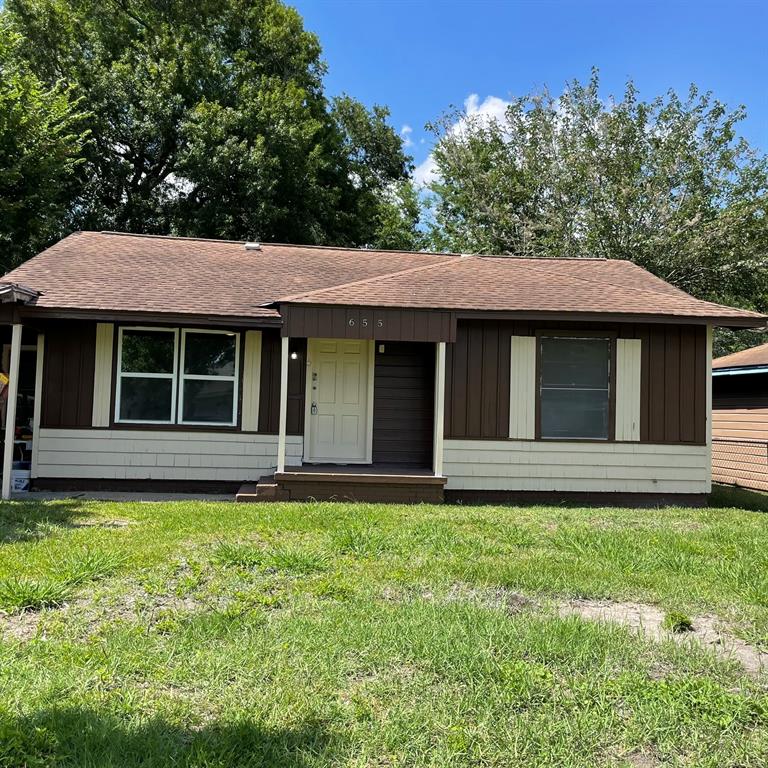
(363, 281)
(514, 257)
(150, 236)
(355, 249)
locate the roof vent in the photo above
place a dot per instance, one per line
(253, 246)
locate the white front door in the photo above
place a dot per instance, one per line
(339, 401)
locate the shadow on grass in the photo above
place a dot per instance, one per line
(733, 496)
(27, 520)
(76, 737)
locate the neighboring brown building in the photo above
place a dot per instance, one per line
(306, 371)
(740, 418)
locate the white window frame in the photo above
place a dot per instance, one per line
(182, 377)
(609, 390)
(173, 376)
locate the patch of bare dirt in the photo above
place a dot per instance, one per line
(708, 630)
(493, 597)
(642, 760)
(91, 612)
(488, 597)
(91, 523)
(20, 626)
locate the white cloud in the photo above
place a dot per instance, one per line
(406, 132)
(425, 172)
(491, 108)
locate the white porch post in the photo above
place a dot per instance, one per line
(437, 450)
(710, 330)
(283, 405)
(10, 409)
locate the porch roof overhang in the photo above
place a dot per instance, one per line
(32, 314)
(366, 322)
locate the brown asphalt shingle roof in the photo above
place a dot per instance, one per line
(747, 358)
(132, 273)
(116, 272)
(525, 285)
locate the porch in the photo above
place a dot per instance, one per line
(374, 408)
(332, 482)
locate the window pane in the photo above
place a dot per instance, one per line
(574, 362)
(147, 352)
(569, 414)
(209, 354)
(145, 399)
(208, 401)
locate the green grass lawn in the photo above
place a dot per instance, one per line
(205, 634)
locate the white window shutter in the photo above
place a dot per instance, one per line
(627, 382)
(102, 374)
(251, 381)
(522, 388)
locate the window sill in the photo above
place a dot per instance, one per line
(165, 426)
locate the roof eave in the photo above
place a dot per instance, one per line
(624, 317)
(740, 370)
(123, 316)
(17, 293)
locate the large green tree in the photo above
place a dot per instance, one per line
(667, 184)
(209, 118)
(41, 138)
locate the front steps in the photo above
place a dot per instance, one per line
(340, 485)
(265, 489)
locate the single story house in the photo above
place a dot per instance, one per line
(319, 372)
(740, 418)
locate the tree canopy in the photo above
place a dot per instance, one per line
(41, 137)
(667, 184)
(210, 119)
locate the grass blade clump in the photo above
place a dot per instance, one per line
(295, 560)
(281, 558)
(360, 541)
(676, 621)
(238, 554)
(18, 593)
(89, 565)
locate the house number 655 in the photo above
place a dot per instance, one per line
(364, 322)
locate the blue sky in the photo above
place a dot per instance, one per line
(421, 56)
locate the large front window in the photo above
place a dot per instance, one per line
(574, 387)
(167, 376)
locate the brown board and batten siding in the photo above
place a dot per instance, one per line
(672, 389)
(68, 380)
(381, 324)
(403, 404)
(68, 368)
(269, 398)
(674, 386)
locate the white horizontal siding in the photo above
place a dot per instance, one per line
(520, 465)
(110, 454)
